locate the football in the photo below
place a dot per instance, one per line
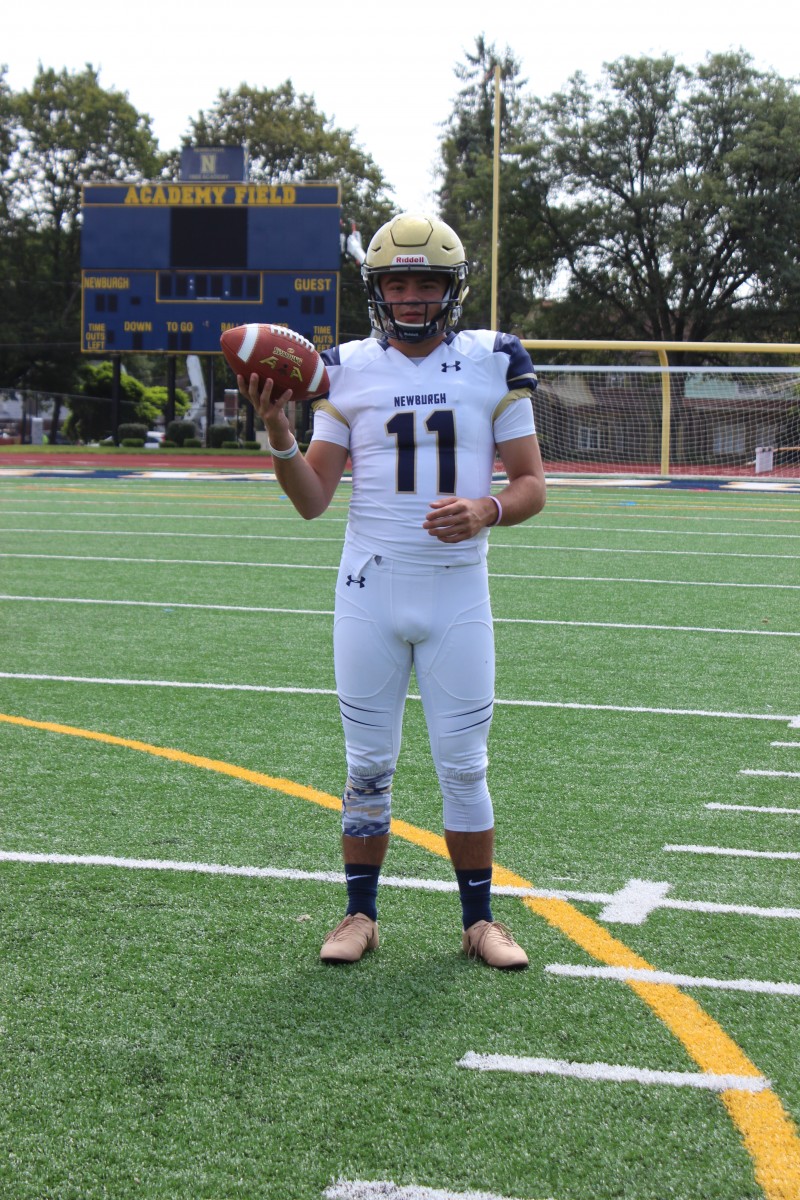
(277, 353)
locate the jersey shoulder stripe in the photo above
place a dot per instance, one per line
(323, 405)
(522, 393)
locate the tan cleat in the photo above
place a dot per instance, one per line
(492, 942)
(350, 939)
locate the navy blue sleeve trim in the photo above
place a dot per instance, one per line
(520, 371)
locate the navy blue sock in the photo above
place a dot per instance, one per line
(474, 888)
(362, 889)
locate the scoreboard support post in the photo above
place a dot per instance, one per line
(209, 399)
(172, 373)
(116, 388)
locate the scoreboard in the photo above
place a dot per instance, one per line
(166, 267)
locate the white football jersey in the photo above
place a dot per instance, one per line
(420, 429)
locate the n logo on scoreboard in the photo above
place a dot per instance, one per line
(208, 164)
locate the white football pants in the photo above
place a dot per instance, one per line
(390, 616)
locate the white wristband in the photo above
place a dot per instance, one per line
(499, 516)
(290, 453)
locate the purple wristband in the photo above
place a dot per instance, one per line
(499, 517)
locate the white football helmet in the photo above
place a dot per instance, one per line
(413, 242)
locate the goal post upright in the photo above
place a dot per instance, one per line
(666, 406)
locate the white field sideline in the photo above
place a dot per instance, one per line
(207, 562)
(654, 891)
(328, 612)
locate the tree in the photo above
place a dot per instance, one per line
(67, 130)
(287, 137)
(90, 416)
(672, 200)
(466, 192)
(8, 137)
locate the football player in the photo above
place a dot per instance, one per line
(421, 411)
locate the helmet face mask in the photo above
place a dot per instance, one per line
(415, 244)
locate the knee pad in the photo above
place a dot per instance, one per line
(367, 805)
(467, 803)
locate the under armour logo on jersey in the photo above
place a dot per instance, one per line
(360, 581)
(456, 366)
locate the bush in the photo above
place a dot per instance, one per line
(178, 431)
(131, 431)
(229, 446)
(167, 445)
(218, 435)
(132, 443)
(192, 443)
(252, 445)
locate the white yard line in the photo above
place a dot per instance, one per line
(223, 535)
(267, 537)
(598, 1072)
(308, 691)
(205, 562)
(791, 587)
(37, 858)
(303, 612)
(624, 974)
(170, 604)
(773, 774)
(386, 1189)
(180, 562)
(755, 808)
(730, 852)
(634, 902)
(635, 550)
(551, 528)
(628, 625)
(237, 506)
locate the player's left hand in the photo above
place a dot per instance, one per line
(454, 519)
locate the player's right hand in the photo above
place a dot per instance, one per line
(270, 408)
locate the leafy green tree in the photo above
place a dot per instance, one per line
(467, 187)
(287, 137)
(15, 240)
(672, 200)
(8, 141)
(66, 130)
(91, 410)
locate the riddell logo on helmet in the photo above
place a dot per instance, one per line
(409, 260)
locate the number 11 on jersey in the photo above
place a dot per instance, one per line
(441, 424)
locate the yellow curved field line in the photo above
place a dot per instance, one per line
(769, 1133)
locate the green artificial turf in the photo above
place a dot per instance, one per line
(170, 1033)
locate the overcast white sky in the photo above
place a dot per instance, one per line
(385, 71)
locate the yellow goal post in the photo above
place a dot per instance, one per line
(659, 418)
